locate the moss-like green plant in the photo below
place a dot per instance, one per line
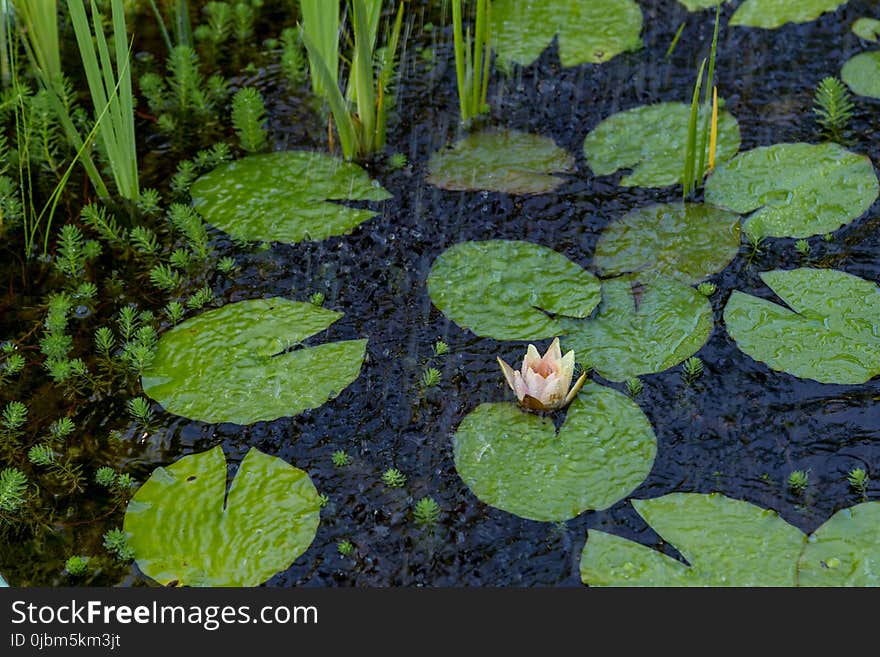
(858, 480)
(77, 566)
(430, 377)
(340, 459)
(345, 547)
(248, 119)
(116, 543)
(833, 107)
(393, 478)
(13, 489)
(426, 512)
(140, 410)
(797, 481)
(440, 348)
(634, 386)
(692, 369)
(707, 289)
(293, 59)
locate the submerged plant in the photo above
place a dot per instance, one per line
(77, 566)
(140, 410)
(397, 161)
(317, 299)
(802, 246)
(858, 480)
(345, 547)
(440, 348)
(249, 118)
(426, 512)
(543, 382)
(116, 543)
(393, 478)
(707, 289)
(634, 386)
(797, 481)
(430, 377)
(340, 458)
(692, 369)
(832, 106)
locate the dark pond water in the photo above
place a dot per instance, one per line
(740, 429)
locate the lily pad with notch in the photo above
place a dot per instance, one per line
(827, 333)
(286, 196)
(795, 189)
(502, 161)
(728, 542)
(185, 529)
(510, 290)
(589, 32)
(867, 29)
(684, 241)
(238, 363)
(862, 74)
(644, 324)
(650, 140)
(771, 14)
(518, 462)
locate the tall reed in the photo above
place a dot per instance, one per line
(110, 88)
(361, 114)
(472, 60)
(321, 24)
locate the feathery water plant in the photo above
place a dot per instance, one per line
(692, 369)
(797, 481)
(116, 543)
(345, 547)
(248, 119)
(13, 490)
(440, 348)
(707, 289)
(833, 106)
(430, 377)
(140, 410)
(111, 89)
(858, 480)
(393, 478)
(634, 386)
(293, 59)
(472, 60)
(77, 565)
(426, 512)
(340, 459)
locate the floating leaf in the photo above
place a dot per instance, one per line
(845, 551)
(827, 333)
(862, 74)
(726, 542)
(641, 328)
(510, 290)
(184, 528)
(285, 196)
(501, 161)
(697, 5)
(795, 190)
(867, 29)
(235, 364)
(590, 32)
(684, 241)
(771, 14)
(517, 461)
(651, 140)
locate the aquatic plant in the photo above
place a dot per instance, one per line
(797, 481)
(393, 478)
(858, 480)
(317, 299)
(802, 246)
(397, 161)
(110, 88)
(472, 60)
(340, 458)
(248, 118)
(360, 116)
(140, 410)
(634, 386)
(116, 543)
(345, 548)
(430, 377)
(293, 58)
(226, 265)
(832, 106)
(13, 489)
(426, 512)
(695, 162)
(77, 566)
(440, 348)
(692, 369)
(544, 382)
(105, 476)
(707, 289)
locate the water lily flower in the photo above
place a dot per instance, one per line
(543, 382)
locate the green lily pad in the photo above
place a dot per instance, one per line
(862, 74)
(285, 196)
(510, 290)
(517, 462)
(867, 29)
(234, 364)
(845, 551)
(590, 32)
(771, 14)
(501, 161)
(828, 332)
(795, 190)
(698, 5)
(651, 140)
(185, 528)
(684, 241)
(641, 328)
(726, 542)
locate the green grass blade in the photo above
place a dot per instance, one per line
(362, 74)
(460, 68)
(690, 158)
(320, 21)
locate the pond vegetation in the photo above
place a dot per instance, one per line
(262, 260)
